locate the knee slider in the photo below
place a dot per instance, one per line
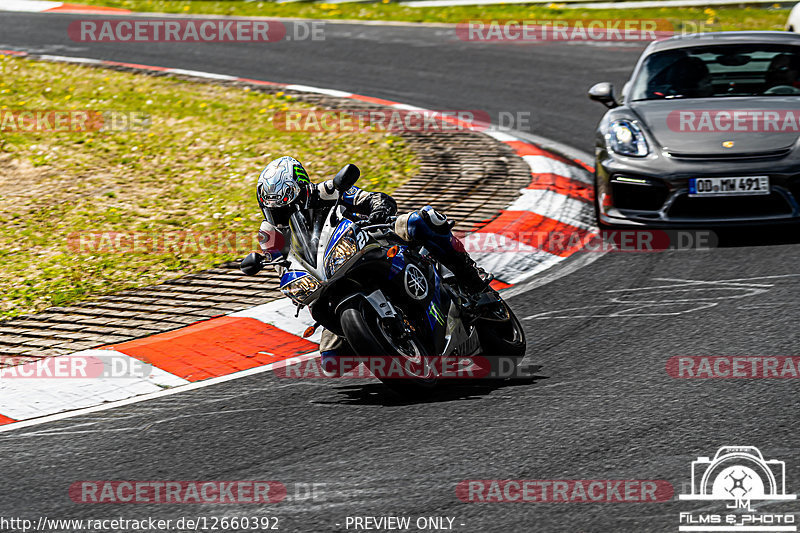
(436, 221)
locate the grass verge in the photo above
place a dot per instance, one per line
(191, 169)
(711, 19)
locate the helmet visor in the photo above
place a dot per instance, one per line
(277, 194)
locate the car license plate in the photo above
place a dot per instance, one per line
(739, 186)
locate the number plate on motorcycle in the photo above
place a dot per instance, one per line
(738, 186)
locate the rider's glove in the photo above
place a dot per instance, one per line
(382, 206)
(379, 216)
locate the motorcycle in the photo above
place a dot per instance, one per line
(390, 299)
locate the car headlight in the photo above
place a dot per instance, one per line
(626, 138)
(341, 252)
(301, 288)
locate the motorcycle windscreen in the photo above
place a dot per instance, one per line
(306, 230)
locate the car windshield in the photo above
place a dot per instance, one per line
(719, 71)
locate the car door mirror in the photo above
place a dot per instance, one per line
(603, 93)
(346, 178)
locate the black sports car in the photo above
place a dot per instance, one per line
(707, 133)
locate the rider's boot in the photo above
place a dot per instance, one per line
(472, 278)
(434, 230)
(329, 363)
(332, 348)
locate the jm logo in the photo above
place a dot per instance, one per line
(739, 483)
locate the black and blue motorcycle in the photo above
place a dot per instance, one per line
(391, 300)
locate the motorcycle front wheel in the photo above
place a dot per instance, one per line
(370, 336)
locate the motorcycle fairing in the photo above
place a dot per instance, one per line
(398, 263)
(341, 229)
(292, 275)
(460, 340)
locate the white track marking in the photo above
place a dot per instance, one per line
(281, 314)
(500, 136)
(66, 59)
(160, 394)
(541, 164)
(780, 276)
(556, 206)
(201, 74)
(25, 397)
(511, 266)
(28, 6)
(309, 89)
(524, 274)
(573, 4)
(670, 300)
(689, 282)
(550, 145)
(570, 265)
(615, 310)
(407, 107)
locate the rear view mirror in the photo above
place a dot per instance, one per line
(603, 93)
(733, 60)
(347, 177)
(252, 264)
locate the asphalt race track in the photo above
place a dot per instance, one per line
(600, 404)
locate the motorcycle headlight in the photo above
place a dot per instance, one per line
(301, 288)
(344, 250)
(626, 138)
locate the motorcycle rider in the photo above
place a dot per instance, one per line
(284, 183)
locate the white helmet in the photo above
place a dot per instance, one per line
(281, 183)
